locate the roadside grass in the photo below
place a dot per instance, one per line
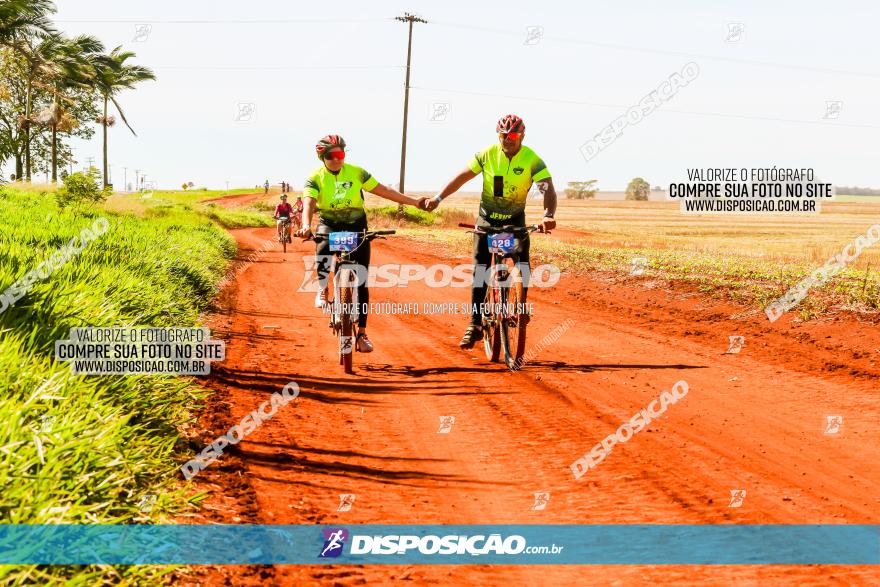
(90, 449)
(238, 217)
(170, 203)
(33, 187)
(389, 217)
(190, 196)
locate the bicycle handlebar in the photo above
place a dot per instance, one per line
(368, 235)
(496, 230)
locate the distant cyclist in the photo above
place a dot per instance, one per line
(266, 187)
(509, 168)
(298, 211)
(336, 190)
(282, 210)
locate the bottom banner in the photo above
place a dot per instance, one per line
(513, 544)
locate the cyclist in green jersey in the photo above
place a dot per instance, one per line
(509, 169)
(335, 190)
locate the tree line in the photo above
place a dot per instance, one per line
(856, 191)
(54, 87)
(637, 189)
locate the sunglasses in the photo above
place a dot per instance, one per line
(337, 155)
(513, 136)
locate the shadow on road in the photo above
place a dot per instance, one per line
(561, 366)
(326, 390)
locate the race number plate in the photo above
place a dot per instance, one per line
(343, 241)
(501, 243)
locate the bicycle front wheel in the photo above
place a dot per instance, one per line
(513, 320)
(491, 331)
(346, 280)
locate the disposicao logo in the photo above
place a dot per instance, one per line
(334, 541)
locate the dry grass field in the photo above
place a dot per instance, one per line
(749, 259)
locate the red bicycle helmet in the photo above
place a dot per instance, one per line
(328, 142)
(510, 123)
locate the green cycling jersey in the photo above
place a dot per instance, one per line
(506, 181)
(339, 197)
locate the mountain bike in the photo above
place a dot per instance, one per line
(343, 305)
(284, 232)
(505, 319)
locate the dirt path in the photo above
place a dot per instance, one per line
(242, 199)
(752, 421)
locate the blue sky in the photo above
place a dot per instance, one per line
(313, 68)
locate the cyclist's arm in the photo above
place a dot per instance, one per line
(308, 211)
(459, 180)
(383, 191)
(546, 187)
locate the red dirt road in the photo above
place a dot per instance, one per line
(751, 421)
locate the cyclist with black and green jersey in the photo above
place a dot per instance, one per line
(509, 169)
(335, 190)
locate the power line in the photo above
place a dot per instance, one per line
(687, 54)
(219, 21)
(508, 32)
(661, 109)
(273, 67)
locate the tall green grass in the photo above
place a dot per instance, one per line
(88, 449)
(238, 217)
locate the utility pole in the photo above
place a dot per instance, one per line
(136, 180)
(125, 179)
(408, 18)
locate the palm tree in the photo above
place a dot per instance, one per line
(21, 23)
(113, 76)
(59, 64)
(22, 19)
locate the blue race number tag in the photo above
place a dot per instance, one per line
(343, 241)
(501, 243)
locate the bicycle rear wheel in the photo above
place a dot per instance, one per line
(345, 280)
(513, 321)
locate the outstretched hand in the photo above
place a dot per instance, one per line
(547, 224)
(431, 204)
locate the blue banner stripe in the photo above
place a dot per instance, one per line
(654, 544)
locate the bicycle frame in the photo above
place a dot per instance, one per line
(500, 321)
(345, 306)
